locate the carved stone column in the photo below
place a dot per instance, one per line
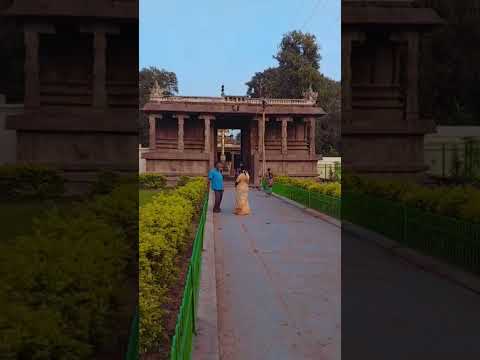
(412, 69)
(207, 119)
(152, 119)
(347, 39)
(181, 127)
(261, 134)
(312, 124)
(346, 77)
(100, 69)
(32, 65)
(285, 121)
(32, 77)
(100, 32)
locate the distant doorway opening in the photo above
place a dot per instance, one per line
(229, 151)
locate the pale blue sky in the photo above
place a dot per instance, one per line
(210, 42)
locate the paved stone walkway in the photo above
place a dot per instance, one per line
(392, 309)
(278, 282)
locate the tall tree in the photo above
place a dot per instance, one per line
(450, 65)
(147, 77)
(298, 68)
(166, 79)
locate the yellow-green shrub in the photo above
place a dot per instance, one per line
(329, 188)
(454, 201)
(165, 233)
(30, 181)
(64, 286)
(60, 284)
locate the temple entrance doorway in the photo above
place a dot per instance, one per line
(233, 145)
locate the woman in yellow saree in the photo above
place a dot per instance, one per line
(241, 193)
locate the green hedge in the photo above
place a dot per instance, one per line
(60, 284)
(107, 181)
(461, 202)
(152, 181)
(331, 188)
(30, 181)
(165, 234)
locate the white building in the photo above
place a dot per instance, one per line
(445, 150)
(329, 167)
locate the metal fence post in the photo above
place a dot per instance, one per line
(443, 160)
(192, 283)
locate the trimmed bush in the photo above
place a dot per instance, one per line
(460, 202)
(30, 182)
(165, 234)
(184, 180)
(107, 181)
(59, 300)
(152, 181)
(333, 189)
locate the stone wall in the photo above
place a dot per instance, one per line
(8, 142)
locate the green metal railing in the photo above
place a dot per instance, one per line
(447, 238)
(186, 321)
(265, 186)
(326, 204)
(132, 353)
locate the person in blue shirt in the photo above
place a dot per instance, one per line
(216, 181)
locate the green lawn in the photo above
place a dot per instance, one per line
(145, 196)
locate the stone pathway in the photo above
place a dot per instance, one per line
(392, 309)
(278, 282)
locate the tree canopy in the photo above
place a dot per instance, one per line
(298, 68)
(166, 79)
(450, 66)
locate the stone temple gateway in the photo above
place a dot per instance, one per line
(183, 134)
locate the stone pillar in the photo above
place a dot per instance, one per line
(32, 76)
(285, 121)
(207, 119)
(152, 119)
(347, 39)
(100, 32)
(100, 69)
(412, 85)
(181, 128)
(223, 157)
(346, 77)
(32, 66)
(312, 124)
(261, 134)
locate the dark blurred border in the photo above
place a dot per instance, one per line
(68, 178)
(410, 126)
